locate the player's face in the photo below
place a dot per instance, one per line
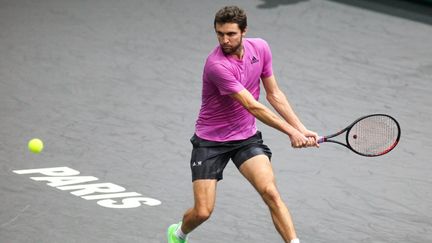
(230, 37)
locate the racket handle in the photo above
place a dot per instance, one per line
(321, 140)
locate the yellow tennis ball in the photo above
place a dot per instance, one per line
(35, 145)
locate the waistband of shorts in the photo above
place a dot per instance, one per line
(197, 141)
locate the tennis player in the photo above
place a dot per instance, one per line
(226, 125)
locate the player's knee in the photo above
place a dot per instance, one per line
(271, 196)
(203, 213)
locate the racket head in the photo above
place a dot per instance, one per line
(373, 135)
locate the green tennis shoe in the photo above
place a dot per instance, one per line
(171, 234)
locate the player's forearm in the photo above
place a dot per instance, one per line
(267, 117)
(281, 105)
(262, 113)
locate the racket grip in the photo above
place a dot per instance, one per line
(321, 140)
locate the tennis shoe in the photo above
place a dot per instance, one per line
(172, 238)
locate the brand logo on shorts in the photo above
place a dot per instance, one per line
(198, 163)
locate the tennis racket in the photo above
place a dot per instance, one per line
(371, 135)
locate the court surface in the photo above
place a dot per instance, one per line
(113, 89)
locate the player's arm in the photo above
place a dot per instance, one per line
(280, 103)
(265, 115)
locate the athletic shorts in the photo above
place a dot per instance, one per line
(209, 158)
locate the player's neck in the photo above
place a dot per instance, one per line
(239, 53)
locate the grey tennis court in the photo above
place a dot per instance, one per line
(113, 90)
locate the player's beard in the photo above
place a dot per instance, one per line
(228, 50)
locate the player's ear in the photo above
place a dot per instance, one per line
(244, 32)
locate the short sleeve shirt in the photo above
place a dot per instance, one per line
(221, 118)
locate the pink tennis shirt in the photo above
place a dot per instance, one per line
(221, 118)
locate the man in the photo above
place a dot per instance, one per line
(226, 129)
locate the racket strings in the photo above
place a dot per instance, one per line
(374, 135)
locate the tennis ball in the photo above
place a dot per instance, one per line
(35, 145)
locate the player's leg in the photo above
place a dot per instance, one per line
(208, 161)
(259, 173)
(204, 196)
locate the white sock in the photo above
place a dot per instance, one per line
(179, 233)
(296, 240)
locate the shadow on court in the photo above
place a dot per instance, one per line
(416, 10)
(276, 3)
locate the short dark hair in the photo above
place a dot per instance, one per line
(231, 14)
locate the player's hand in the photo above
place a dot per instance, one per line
(312, 138)
(299, 140)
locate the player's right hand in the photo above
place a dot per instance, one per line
(300, 140)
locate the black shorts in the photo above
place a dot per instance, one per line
(209, 158)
